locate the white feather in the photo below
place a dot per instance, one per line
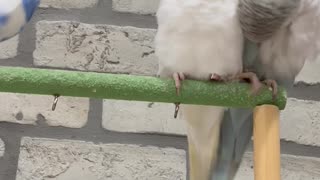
(297, 41)
(199, 37)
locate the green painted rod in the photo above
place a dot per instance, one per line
(129, 87)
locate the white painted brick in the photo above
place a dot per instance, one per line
(136, 6)
(292, 168)
(103, 48)
(9, 48)
(28, 109)
(133, 116)
(310, 73)
(2, 148)
(66, 4)
(65, 160)
(300, 122)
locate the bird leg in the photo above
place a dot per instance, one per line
(178, 78)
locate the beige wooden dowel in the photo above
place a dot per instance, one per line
(266, 143)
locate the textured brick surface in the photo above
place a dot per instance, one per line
(300, 122)
(29, 109)
(292, 168)
(136, 6)
(310, 73)
(8, 48)
(65, 160)
(95, 47)
(68, 3)
(131, 116)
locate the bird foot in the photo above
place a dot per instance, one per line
(178, 78)
(273, 86)
(217, 78)
(256, 84)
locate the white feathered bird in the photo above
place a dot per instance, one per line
(196, 39)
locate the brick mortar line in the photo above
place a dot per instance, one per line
(9, 161)
(305, 92)
(97, 135)
(100, 135)
(97, 15)
(293, 148)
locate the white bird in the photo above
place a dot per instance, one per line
(199, 39)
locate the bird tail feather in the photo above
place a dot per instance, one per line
(203, 130)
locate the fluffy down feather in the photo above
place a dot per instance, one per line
(198, 37)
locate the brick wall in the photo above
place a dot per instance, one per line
(109, 139)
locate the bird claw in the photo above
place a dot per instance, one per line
(272, 84)
(178, 77)
(217, 78)
(176, 110)
(256, 85)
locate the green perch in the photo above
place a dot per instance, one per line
(132, 88)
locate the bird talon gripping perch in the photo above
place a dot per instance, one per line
(256, 85)
(55, 101)
(178, 77)
(273, 85)
(176, 110)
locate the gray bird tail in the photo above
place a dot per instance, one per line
(235, 134)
